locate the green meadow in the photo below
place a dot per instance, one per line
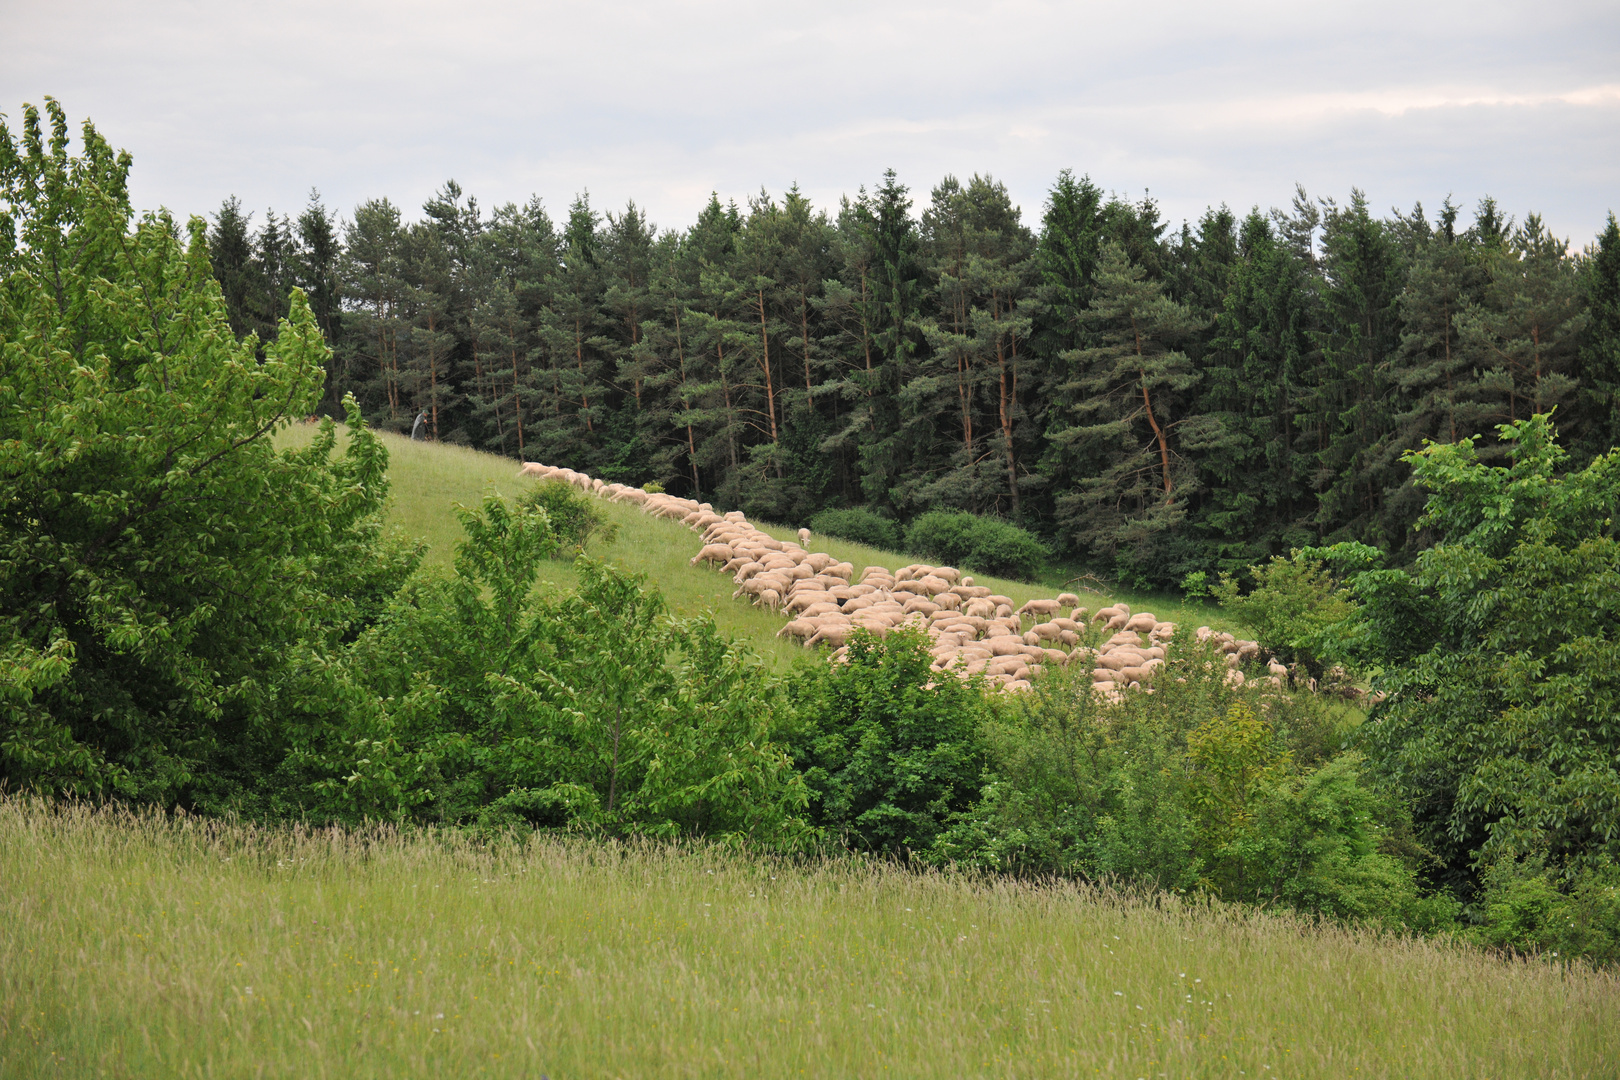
(428, 480)
(152, 947)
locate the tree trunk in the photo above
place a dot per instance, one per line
(765, 365)
(1007, 404)
(517, 403)
(1147, 403)
(579, 360)
(691, 441)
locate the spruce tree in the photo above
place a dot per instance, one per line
(373, 282)
(317, 270)
(1362, 274)
(230, 251)
(1524, 332)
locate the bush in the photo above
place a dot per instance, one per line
(1295, 610)
(986, 545)
(485, 701)
(575, 517)
(1199, 785)
(858, 526)
(1525, 908)
(887, 757)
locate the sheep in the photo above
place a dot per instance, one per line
(800, 601)
(1047, 608)
(1145, 621)
(799, 628)
(1067, 599)
(712, 553)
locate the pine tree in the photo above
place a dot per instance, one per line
(373, 281)
(317, 270)
(273, 254)
(427, 372)
(1598, 429)
(1524, 333)
(1362, 274)
(1257, 361)
(1120, 411)
(896, 333)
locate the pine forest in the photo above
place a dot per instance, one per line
(1152, 402)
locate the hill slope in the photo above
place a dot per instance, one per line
(431, 479)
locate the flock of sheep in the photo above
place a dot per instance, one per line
(972, 630)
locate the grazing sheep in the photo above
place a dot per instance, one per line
(712, 553)
(799, 628)
(1047, 608)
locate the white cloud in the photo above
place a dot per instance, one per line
(663, 102)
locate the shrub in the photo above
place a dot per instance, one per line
(575, 517)
(1295, 610)
(887, 757)
(987, 545)
(1199, 785)
(858, 526)
(487, 701)
(1526, 908)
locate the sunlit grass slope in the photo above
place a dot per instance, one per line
(152, 949)
(430, 479)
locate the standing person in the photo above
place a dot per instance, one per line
(416, 428)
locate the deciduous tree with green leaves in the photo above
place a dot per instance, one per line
(1500, 657)
(162, 567)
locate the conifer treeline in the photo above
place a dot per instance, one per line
(1153, 402)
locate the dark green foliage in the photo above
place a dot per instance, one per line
(1148, 405)
(976, 543)
(1600, 353)
(858, 526)
(1122, 414)
(575, 518)
(888, 757)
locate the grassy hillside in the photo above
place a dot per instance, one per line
(150, 948)
(430, 479)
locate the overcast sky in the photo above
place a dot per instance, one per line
(1200, 103)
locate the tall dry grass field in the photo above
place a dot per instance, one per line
(140, 947)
